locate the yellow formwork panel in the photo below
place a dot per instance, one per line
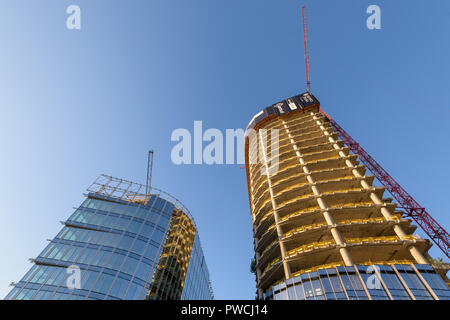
(299, 212)
(379, 239)
(271, 264)
(309, 246)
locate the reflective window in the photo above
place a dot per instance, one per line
(114, 246)
(373, 283)
(395, 287)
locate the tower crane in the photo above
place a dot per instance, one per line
(411, 207)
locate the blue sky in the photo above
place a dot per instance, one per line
(78, 103)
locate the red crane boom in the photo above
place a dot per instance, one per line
(412, 209)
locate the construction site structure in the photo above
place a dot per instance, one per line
(410, 206)
(126, 241)
(321, 229)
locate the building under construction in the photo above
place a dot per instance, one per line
(321, 229)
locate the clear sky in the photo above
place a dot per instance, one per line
(78, 103)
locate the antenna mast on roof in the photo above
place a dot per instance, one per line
(148, 184)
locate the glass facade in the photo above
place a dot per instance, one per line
(113, 247)
(197, 284)
(378, 282)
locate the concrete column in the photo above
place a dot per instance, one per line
(256, 240)
(337, 236)
(287, 270)
(260, 294)
(258, 277)
(417, 255)
(334, 232)
(386, 214)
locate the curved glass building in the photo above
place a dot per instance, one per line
(321, 229)
(121, 244)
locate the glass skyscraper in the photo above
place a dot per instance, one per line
(321, 228)
(121, 243)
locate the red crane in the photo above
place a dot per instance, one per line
(412, 209)
(305, 42)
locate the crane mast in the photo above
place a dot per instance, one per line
(411, 207)
(305, 43)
